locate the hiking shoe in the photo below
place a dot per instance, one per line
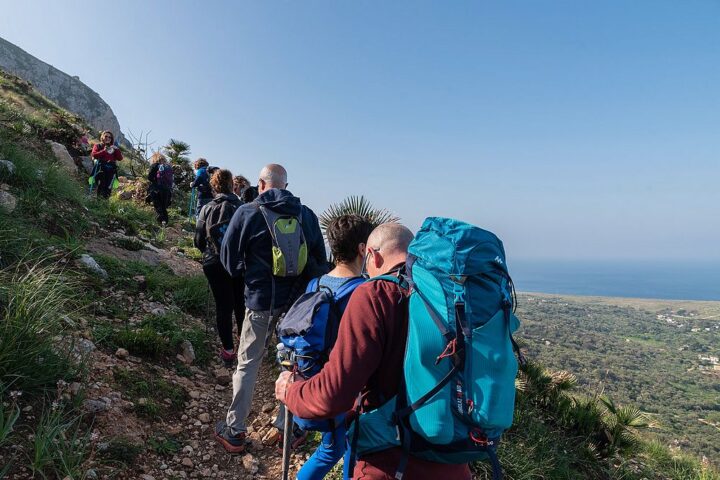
(299, 438)
(228, 358)
(231, 443)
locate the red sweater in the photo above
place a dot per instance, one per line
(100, 152)
(367, 357)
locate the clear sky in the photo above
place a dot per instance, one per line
(572, 129)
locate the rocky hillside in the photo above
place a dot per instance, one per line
(108, 364)
(68, 92)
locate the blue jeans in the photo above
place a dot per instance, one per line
(328, 453)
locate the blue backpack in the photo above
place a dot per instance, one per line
(457, 394)
(310, 328)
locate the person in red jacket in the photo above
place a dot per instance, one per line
(368, 359)
(106, 155)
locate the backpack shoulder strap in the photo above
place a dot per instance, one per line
(348, 287)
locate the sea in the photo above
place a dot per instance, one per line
(671, 280)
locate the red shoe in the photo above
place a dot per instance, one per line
(231, 443)
(228, 358)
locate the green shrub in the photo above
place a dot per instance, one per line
(60, 445)
(165, 445)
(153, 389)
(33, 302)
(129, 243)
(144, 341)
(131, 216)
(120, 451)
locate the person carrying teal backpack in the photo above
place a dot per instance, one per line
(455, 389)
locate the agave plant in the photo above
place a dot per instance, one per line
(357, 205)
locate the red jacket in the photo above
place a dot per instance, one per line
(99, 152)
(367, 357)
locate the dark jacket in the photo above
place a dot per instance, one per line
(201, 240)
(248, 238)
(152, 174)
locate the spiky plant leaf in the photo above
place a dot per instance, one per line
(357, 205)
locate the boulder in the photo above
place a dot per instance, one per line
(62, 156)
(187, 352)
(8, 202)
(6, 166)
(95, 406)
(85, 164)
(90, 263)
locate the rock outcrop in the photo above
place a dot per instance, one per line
(68, 92)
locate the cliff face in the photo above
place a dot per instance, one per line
(68, 92)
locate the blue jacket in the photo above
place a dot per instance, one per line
(248, 238)
(202, 183)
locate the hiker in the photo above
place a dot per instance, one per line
(347, 236)
(106, 156)
(201, 184)
(229, 292)
(160, 177)
(277, 268)
(240, 183)
(367, 359)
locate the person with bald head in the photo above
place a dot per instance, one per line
(367, 360)
(248, 248)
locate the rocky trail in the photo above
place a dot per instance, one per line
(152, 417)
(181, 444)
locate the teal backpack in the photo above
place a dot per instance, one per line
(457, 395)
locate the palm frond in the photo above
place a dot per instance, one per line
(357, 205)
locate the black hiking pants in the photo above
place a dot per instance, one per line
(104, 179)
(161, 197)
(229, 294)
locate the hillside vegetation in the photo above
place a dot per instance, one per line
(659, 355)
(111, 372)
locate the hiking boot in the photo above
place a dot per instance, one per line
(228, 358)
(231, 443)
(299, 438)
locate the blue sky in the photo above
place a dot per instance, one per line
(572, 129)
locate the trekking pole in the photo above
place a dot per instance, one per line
(190, 205)
(207, 310)
(286, 359)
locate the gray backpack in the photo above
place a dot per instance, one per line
(289, 248)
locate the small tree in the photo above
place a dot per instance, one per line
(139, 155)
(177, 152)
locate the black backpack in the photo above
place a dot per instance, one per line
(221, 211)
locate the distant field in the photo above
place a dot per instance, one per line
(660, 355)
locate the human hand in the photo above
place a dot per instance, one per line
(282, 383)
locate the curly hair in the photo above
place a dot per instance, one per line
(344, 234)
(200, 162)
(157, 157)
(222, 181)
(242, 181)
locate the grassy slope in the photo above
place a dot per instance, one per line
(39, 243)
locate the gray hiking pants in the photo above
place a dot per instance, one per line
(256, 329)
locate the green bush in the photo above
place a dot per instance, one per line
(34, 300)
(61, 444)
(120, 451)
(165, 445)
(153, 389)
